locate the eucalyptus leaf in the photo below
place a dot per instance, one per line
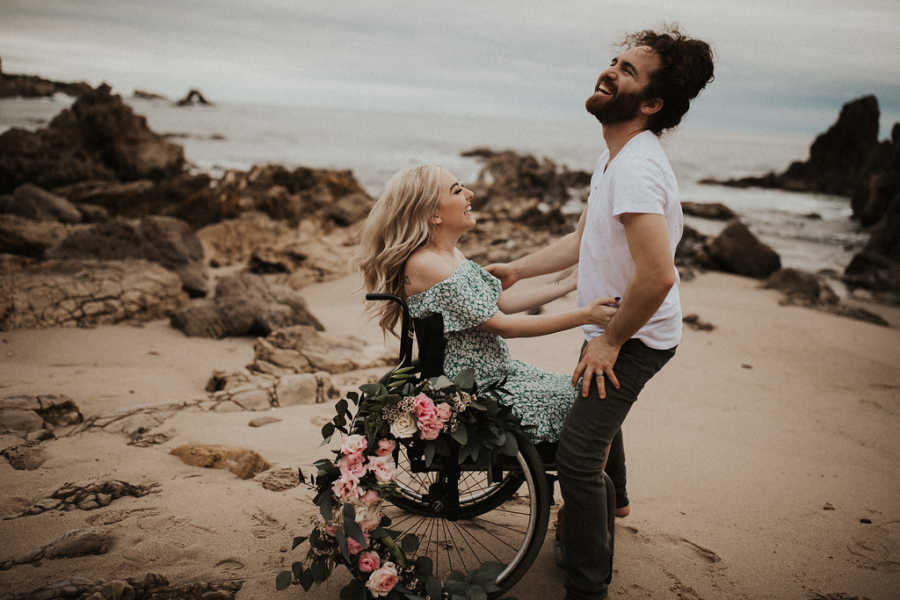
(465, 379)
(441, 382)
(353, 590)
(342, 543)
(297, 569)
(425, 566)
(283, 580)
(307, 579)
(511, 447)
(299, 540)
(327, 431)
(433, 587)
(326, 506)
(476, 592)
(317, 570)
(460, 434)
(409, 543)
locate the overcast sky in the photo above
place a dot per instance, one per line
(782, 65)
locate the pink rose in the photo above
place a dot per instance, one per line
(424, 407)
(430, 429)
(368, 562)
(443, 411)
(354, 547)
(382, 581)
(370, 498)
(385, 447)
(383, 467)
(354, 444)
(352, 465)
(347, 488)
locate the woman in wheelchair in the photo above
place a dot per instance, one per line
(409, 249)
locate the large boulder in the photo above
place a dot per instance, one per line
(304, 349)
(708, 210)
(97, 137)
(737, 250)
(243, 462)
(83, 293)
(163, 240)
(244, 304)
(35, 203)
(31, 86)
(27, 237)
(810, 290)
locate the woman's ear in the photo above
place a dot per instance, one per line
(435, 220)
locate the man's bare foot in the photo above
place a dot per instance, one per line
(623, 511)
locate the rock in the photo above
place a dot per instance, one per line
(19, 420)
(81, 292)
(25, 458)
(877, 266)
(87, 495)
(112, 196)
(27, 237)
(117, 590)
(278, 480)
(252, 398)
(145, 95)
(234, 241)
(79, 542)
(303, 349)
(242, 462)
(193, 97)
(711, 210)
(263, 421)
(32, 202)
(737, 250)
(838, 159)
(244, 304)
(31, 86)
(802, 287)
(301, 388)
(97, 137)
(163, 240)
(349, 209)
(694, 322)
(93, 213)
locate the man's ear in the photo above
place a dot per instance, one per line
(651, 107)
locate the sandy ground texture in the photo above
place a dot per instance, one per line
(754, 457)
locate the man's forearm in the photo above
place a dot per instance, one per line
(561, 254)
(643, 297)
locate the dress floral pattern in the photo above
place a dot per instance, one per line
(465, 300)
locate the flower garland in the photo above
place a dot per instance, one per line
(434, 417)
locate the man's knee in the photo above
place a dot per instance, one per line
(577, 460)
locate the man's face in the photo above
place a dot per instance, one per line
(618, 92)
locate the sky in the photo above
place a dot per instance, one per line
(781, 66)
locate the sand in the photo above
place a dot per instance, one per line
(734, 451)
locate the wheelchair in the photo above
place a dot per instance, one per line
(495, 509)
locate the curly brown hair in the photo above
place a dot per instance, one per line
(686, 68)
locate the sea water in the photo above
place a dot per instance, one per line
(376, 144)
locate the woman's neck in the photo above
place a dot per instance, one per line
(443, 242)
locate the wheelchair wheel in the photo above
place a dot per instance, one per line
(503, 522)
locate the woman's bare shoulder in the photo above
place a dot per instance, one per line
(423, 270)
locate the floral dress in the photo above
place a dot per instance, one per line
(465, 300)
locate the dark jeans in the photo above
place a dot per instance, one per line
(615, 468)
(590, 427)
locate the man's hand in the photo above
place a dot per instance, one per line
(598, 359)
(502, 271)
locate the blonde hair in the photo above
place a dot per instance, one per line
(397, 225)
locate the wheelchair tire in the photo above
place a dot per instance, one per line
(505, 522)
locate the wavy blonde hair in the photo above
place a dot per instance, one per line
(397, 225)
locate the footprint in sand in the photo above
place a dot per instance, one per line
(230, 564)
(878, 547)
(319, 420)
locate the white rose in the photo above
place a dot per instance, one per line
(404, 426)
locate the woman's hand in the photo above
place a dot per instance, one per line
(601, 311)
(502, 271)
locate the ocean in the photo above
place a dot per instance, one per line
(375, 144)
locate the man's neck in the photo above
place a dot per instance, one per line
(618, 134)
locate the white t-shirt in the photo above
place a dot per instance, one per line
(638, 180)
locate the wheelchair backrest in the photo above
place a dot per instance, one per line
(431, 343)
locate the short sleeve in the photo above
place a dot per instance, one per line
(638, 186)
(466, 299)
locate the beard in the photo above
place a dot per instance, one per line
(622, 107)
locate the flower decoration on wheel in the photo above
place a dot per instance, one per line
(436, 424)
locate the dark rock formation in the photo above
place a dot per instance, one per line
(78, 542)
(27, 237)
(152, 587)
(31, 86)
(810, 290)
(713, 210)
(244, 304)
(737, 250)
(35, 203)
(75, 292)
(193, 97)
(303, 349)
(839, 159)
(33, 413)
(98, 137)
(87, 495)
(145, 95)
(163, 240)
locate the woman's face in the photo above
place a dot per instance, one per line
(454, 204)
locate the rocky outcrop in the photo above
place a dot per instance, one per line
(839, 159)
(303, 349)
(708, 210)
(166, 241)
(152, 587)
(32, 202)
(27, 237)
(98, 137)
(802, 288)
(23, 414)
(279, 480)
(244, 304)
(737, 250)
(87, 495)
(242, 462)
(147, 95)
(31, 86)
(193, 97)
(78, 542)
(84, 292)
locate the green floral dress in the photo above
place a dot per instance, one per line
(465, 300)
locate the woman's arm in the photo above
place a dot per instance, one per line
(519, 299)
(599, 312)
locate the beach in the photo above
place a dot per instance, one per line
(754, 457)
